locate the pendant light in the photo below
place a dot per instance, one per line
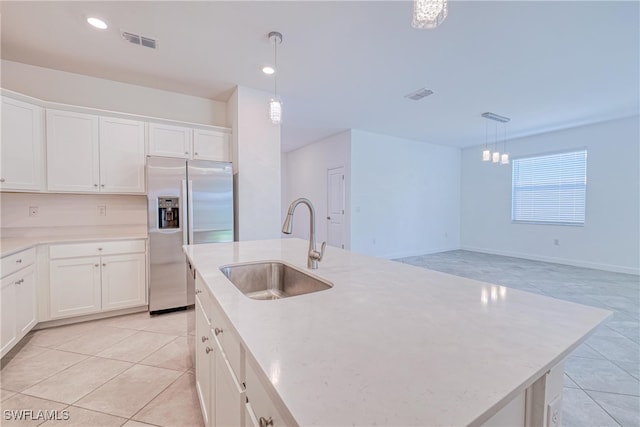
(428, 13)
(275, 104)
(504, 159)
(495, 156)
(486, 153)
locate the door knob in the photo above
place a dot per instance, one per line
(208, 350)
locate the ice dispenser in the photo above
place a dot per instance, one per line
(168, 212)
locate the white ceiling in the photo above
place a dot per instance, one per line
(545, 64)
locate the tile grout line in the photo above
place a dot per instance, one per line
(154, 397)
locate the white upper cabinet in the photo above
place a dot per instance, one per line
(87, 153)
(73, 156)
(186, 143)
(22, 146)
(122, 155)
(169, 141)
(211, 145)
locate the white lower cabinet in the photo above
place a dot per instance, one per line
(74, 287)
(230, 391)
(17, 298)
(204, 363)
(118, 274)
(87, 278)
(229, 396)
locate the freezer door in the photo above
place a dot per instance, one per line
(166, 181)
(211, 201)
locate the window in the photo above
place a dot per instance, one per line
(550, 189)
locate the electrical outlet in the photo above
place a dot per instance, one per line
(102, 210)
(554, 412)
(33, 211)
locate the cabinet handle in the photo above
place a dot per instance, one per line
(198, 291)
(104, 264)
(96, 265)
(204, 338)
(208, 350)
(99, 249)
(196, 153)
(265, 422)
(19, 261)
(19, 282)
(1, 179)
(218, 331)
(186, 152)
(95, 185)
(102, 185)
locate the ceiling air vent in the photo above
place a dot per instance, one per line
(419, 94)
(139, 40)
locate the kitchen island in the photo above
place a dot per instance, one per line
(388, 343)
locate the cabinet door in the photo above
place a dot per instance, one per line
(258, 397)
(229, 396)
(169, 141)
(122, 156)
(74, 286)
(211, 145)
(123, 281)
(204, 364)
(25, 301)
(73, 158)
(22, 146)
(8, 314)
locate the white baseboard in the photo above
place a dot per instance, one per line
(566, 261)
(406, 254)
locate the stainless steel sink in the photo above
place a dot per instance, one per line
(272, 280)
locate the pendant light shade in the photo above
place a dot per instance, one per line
(275, 104)
(428, 13)
(275, 111)
(495, 157)
(486, 155)
(504, 159)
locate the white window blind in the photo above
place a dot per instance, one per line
(550, 189)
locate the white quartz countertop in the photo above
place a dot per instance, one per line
(13, 241)
(390, 343)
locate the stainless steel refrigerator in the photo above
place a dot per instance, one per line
(189, 202)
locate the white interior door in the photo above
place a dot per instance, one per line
(335, 207)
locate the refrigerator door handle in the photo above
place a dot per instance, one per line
(190, 210)
(185, 210)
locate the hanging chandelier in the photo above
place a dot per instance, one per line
(428, 13)
(275, 104)
(495, 156)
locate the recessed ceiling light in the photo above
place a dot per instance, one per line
(97, 23)
(268, 70)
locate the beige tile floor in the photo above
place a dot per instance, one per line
(131, 371)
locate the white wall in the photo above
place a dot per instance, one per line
(305, 175)
(405, 196)
(257, 159)
(610, 237)
(76, 89)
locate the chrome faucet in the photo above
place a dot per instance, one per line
(287, 227)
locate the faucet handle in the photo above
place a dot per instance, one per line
(324, 245)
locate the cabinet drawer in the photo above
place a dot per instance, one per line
(74, 250)
(229, 341)
(202, 296)
(17, 261)
(261, 403)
